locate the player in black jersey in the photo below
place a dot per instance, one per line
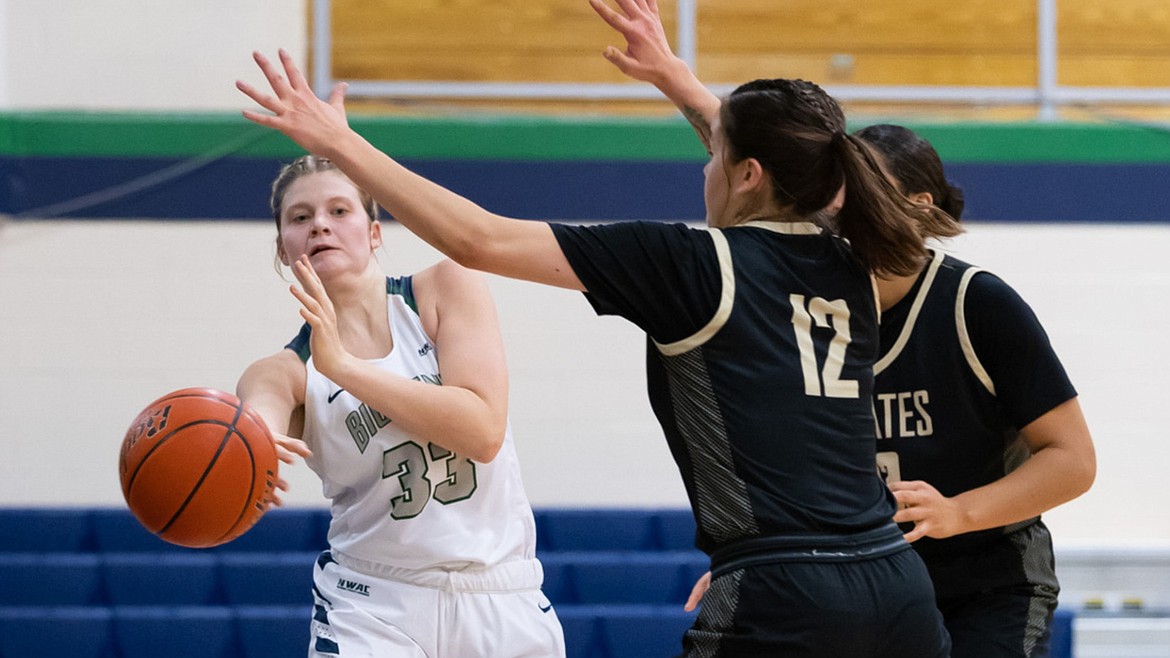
(761, 336)
(979, 431)
(967, 388)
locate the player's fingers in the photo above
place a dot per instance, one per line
(275, 79)
(904, 498)
(640, 5)
(629, 7)
(296, 79)
(308, 303)
(307, 276)
(262, 99)
(697, 592)
(611, 17)
(622, 61)
(266, 120)
(292, 446)
(313, 319)
(337, 96)
(313, 316)
(917, 533)
(652, 5)
(902, 485)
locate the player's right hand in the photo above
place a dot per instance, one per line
(647, 56)
(288, 449)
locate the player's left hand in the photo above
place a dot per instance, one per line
(933, 514)
(317, 309)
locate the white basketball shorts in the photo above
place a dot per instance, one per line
(366, 610)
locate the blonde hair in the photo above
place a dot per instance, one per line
(297, 169)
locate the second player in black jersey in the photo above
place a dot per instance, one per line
(979, 431)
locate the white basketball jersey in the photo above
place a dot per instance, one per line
(399, 500)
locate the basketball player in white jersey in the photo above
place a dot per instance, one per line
(398, 389)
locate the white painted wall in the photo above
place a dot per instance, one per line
(5, 46)
(99, 318)
(96, 319)
(139, 54)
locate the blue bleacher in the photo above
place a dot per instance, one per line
(174, 631)
(594, 577)
(258, 578)
(24, 530)
(76, 632)
(273, 631)
(50, 579)
(161, 579)
(639, 631)
(94, 584)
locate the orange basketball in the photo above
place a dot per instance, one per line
(198, 467)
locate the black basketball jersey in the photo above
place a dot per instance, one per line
(964, 365)
(761, 341)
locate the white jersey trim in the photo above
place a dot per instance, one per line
(787, 228)
(965, 338)
(912, 317)
(877, 296)
(726, 301)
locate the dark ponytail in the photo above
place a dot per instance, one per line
(797, 133)
(884, 227)
(914, 164)
(952, 202)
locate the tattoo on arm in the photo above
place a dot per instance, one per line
(699, 123)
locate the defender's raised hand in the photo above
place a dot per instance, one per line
(647, 56)
(296, 111)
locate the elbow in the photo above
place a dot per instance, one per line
(489, 245)
(475, 254)
(462, 250)
(1078, 472)
(487, 447)
(484, 438)
(1087, 472)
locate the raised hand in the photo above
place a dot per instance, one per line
(317, 309)
(312, 123)
(647, 56)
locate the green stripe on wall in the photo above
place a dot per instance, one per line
(473, 137)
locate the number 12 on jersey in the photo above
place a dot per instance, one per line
(825, 380)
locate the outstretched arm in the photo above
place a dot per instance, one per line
(648, 58)
(455, 226)
(271, 386)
